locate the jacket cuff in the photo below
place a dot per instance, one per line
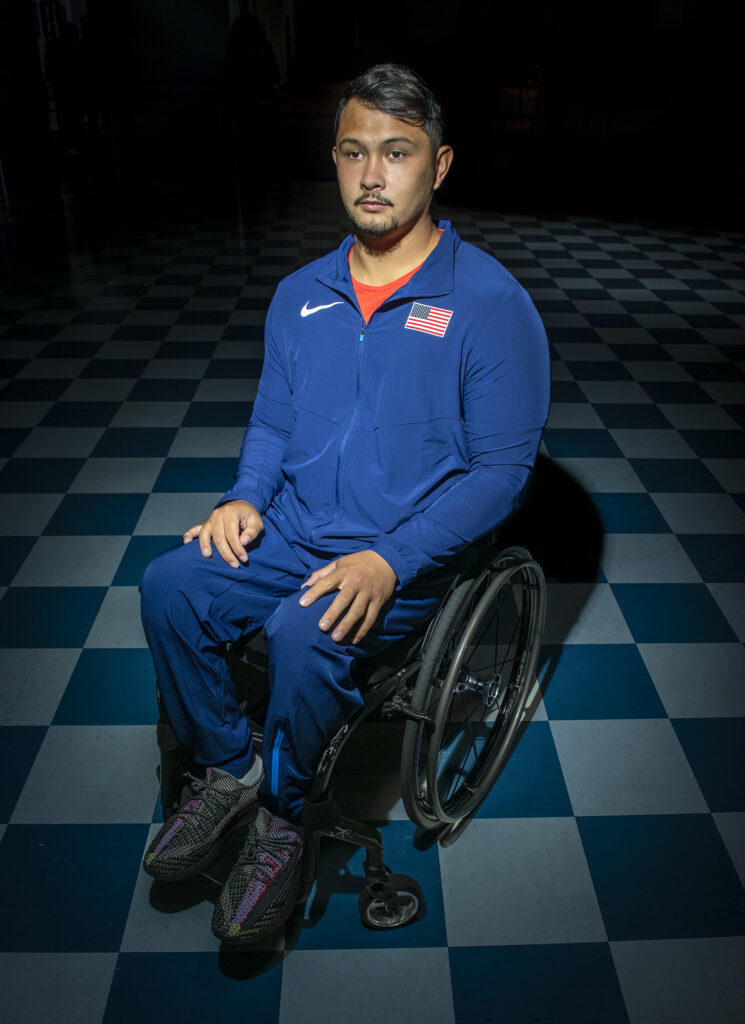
(403, 568)
(239, 494)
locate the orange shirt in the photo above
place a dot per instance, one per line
(370, 296)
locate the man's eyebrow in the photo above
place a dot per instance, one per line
(385, 142)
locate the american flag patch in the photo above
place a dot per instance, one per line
(428, 319)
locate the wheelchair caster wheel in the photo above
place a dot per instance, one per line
(392, 904)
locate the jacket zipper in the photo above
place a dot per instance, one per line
(278, 737)
(352, 420)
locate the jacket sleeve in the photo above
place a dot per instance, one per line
(505, 383)
(259, 473)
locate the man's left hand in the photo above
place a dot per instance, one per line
(365, 582)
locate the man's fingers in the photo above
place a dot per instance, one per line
(225, 550)
(317, 575)
(221, 544)
(229, 528)
(205, 539)
(364, 627)
(355, 613)
(323, 585)
(250, 526)
(336, 609)
(232, 537)
(364, 582)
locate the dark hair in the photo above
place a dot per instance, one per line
(400, 92)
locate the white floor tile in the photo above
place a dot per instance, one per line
(206, 442)
(72, 561)
(729, 472)
(168, 514)
(26, 515)
(682, 981)
(613, 391)
(23, 414)
(118, 621)
(48, 988)
(602, 778)
(698, 680)
(117, 476)
(603, 476)
(59, 442)
(646, 558)
(150, 414)
(731, 599)
(698, 416)
(175, 369)
(91, 774)
(651, 444)
(584, 613)
(100, 389)
(33, 682)
(701, 513)
(514, 881)
(731, 827)
(226, 390)
(649, 370)
(375, 986)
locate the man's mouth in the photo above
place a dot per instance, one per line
(372, 202)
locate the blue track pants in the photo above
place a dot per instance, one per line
(193, 606)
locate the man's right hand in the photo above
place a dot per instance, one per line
(230, 528)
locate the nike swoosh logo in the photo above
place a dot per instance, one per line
(307, 310)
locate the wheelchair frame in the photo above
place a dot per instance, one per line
(434, 679)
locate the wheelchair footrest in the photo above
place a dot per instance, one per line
(324, 818)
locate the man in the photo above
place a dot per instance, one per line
(401, 404)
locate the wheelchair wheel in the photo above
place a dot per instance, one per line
(477, 668)
(391, 904)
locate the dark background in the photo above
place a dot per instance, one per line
(619, 109)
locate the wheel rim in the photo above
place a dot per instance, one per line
(483, 694)
(378, 916)
(425, 737)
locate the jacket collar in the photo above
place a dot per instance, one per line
(436, 276)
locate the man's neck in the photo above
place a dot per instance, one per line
(378, 261)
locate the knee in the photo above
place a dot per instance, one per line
(157, 574)
(165, 579)
(293, 627)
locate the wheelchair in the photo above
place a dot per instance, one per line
(460, 682)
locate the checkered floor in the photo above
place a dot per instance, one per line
(603, 879)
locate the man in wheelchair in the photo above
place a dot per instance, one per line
(399, 412)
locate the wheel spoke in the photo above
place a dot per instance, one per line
(474, 690)
(469, 733)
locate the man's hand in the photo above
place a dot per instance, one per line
(365, 582)
(230, 527)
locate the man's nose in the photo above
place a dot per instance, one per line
(372, 175)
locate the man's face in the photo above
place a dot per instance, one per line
(387, 171)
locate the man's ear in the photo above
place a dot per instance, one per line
(333, 153)
(443, 160)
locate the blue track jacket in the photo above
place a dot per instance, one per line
(387, 437)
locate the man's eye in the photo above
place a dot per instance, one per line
(396, 154)
(353, 154)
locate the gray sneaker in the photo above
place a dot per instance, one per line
(193, 837)
(261, 890)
